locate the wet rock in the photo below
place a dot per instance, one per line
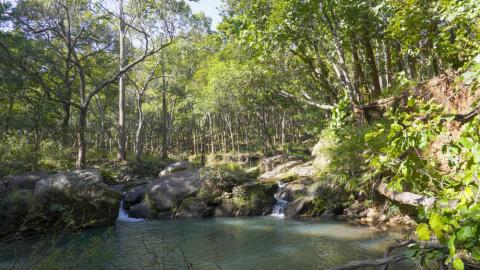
(176, 167)
(299, 207)
(169, 191)
(134, 195)
(194, 208)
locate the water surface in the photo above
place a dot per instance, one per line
(230, 243)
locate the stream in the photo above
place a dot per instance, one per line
(217, 243)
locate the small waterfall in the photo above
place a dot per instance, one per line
(123, 216)
(279, 207)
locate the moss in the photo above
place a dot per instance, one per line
(221, 178)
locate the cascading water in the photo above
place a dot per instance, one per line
(279, 207)
(123, 215)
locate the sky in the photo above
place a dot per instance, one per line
(210, 8)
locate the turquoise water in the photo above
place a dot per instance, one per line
(223, 243)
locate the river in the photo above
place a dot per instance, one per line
(219, 243)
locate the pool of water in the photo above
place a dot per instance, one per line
(222, 243)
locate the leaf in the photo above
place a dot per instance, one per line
(464, 233)
(423, 232)
(476, 253)
(451, 246)
(436, 224)
(466, 142)
(458, 264)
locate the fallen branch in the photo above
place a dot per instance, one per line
(406, 198)
(371, 263)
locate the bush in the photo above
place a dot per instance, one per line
(221, 178)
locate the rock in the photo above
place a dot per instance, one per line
(252, 199)
(140, 210)
(299, 207)
(3, 190)
(169, 191)
(304, 170)
(219, 179)
(25, 181)
(372, 213)
(253, 172)
(322, 155)
(119, 187)
(90, 201)
(194, 208)
(176, 167)
(275, 172)
(268, 164)
(296, 189)
(134, 196)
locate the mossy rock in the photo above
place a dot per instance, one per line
(193, 208)
(253, 199)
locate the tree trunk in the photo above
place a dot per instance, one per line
(138, 133)
(388, 63)
(82, 144)
(377, 90)
(164, 153)
(122, 151)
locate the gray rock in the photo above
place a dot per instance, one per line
(304, 170)
(176, 167)
(193, 208)
(77, 181)
(299, 207)
(134, 195)
(91, 202)
(252, 199)
(3, 190)
(169, 191)
(140, 210)
(275, 172)
(25, 181)
(268, 164)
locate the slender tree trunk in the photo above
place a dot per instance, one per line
(138, 133)
(377, 90)
(82, 143)
(388, 63)
(164, 153)
(122, 151)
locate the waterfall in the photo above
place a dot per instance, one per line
(123, 215)
(279, 207)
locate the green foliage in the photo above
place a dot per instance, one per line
(405, 135)
(454, 219)
(221, 178)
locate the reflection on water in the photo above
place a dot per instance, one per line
(228, 244)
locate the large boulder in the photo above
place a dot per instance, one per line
(321, 153)
(25, 181)
(169, 191)
(176, 167)
(3, 190)
(91, 202)
(62, 201)
(300, 207)
(282, 168)
(251, 199)
(303, 170)
(194, 208)
(269, 163)
(134, 195)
